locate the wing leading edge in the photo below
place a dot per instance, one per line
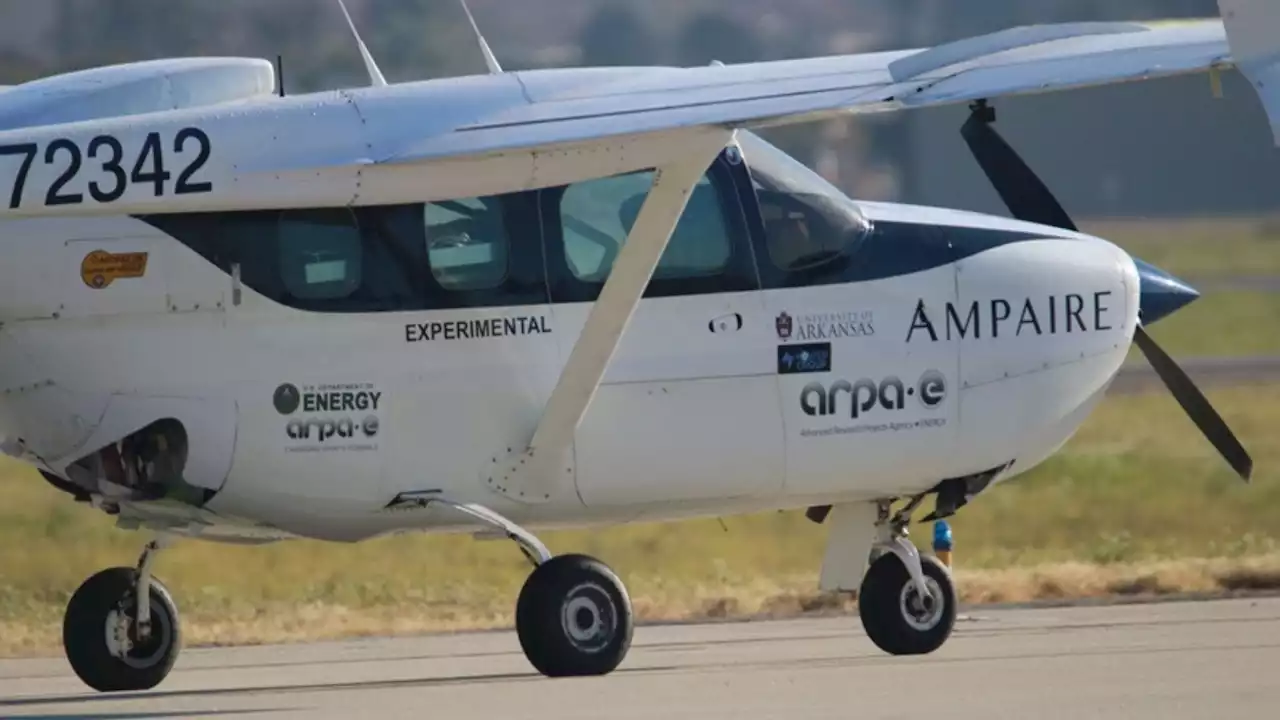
(1019, 61)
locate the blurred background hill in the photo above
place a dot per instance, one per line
(1162, 150)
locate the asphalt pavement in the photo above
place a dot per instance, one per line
(1214, 659)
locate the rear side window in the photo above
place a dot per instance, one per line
(320, 253)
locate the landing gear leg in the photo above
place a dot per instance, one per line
(907, 602)
(121, 630)
(573, 616)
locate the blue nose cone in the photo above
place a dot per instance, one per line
(1161, 293)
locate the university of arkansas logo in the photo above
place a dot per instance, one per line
(783, 324)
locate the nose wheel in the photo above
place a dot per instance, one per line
(898, 618)
(907, 602)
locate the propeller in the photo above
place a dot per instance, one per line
(1029, 199)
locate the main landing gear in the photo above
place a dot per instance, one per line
(907, 602)
(573, 615)
(121, 630)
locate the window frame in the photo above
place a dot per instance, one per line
(739, 274)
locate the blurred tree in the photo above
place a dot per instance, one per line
(403, 35)
(713, 35)
(311, 44)
(617, 34)
(17, 68)
(90, 32)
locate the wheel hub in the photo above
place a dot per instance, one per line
(922, 613)
(124, 641)
(588, 617)
(118, 640)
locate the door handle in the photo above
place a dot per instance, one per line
(726, 323)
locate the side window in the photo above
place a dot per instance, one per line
(596, 216)
(450, 254)
(467, 244)
(320, 253)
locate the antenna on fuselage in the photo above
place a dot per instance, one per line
(375, 75)
(489, 59)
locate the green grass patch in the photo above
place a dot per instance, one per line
(1204, 248)
(1230, 323)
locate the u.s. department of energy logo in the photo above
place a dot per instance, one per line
(287, 399)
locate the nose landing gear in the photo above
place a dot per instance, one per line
(907, 603)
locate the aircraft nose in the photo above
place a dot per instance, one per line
(1161, 294)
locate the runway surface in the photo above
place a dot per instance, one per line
(1216, 660)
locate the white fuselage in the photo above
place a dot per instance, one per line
(957, 366)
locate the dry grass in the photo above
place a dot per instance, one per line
(1074, 581)
(776, 598)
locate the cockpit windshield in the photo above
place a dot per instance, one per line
(808, 221)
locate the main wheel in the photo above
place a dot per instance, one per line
(574, 617)
(897, 619)
(100, 634)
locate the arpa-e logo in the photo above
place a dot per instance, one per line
(931, 389)
(866, 395)
(329, 428)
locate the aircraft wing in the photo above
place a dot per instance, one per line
(1018, 61)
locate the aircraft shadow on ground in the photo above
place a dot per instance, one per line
(144, 715)
(278, 689)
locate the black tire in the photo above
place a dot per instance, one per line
(887, 599)
(85, 630)
(572, 594)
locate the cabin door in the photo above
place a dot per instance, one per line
(688, 409)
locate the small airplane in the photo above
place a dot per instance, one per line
(555, 298)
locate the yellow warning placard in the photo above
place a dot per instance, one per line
(101, 268)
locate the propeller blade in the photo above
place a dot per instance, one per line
(1196, 405)
(1019, 187)
(1029, 199)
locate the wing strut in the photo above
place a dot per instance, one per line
(490, 61)
(531, 475)
(375, 74)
